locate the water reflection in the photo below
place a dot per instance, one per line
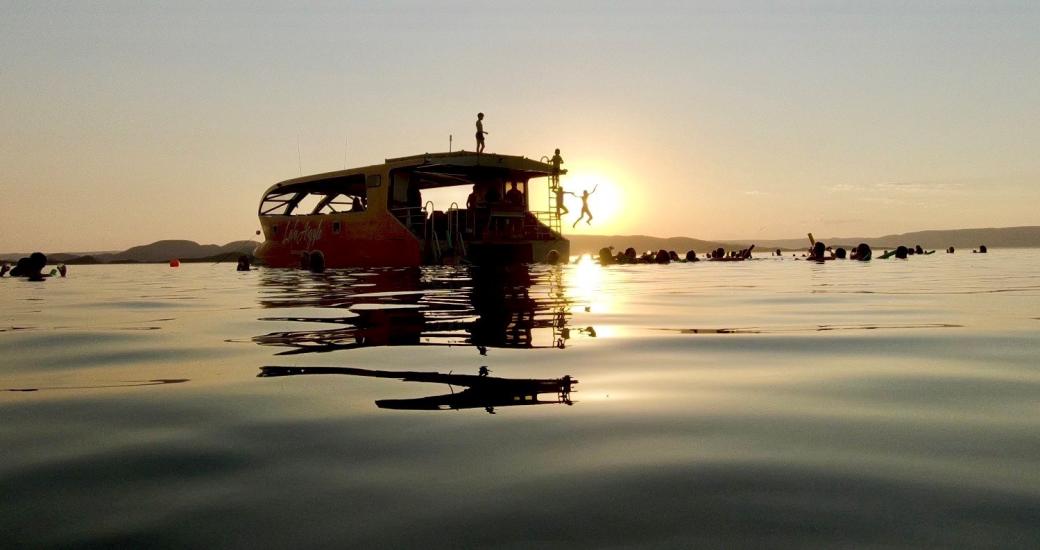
(515, 307)
(482, 391)
(129, 384)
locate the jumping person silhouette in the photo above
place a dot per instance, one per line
(585, 206)
(561, 208)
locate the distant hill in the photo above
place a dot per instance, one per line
(1001, 237)
(159, 251)
(992, 237)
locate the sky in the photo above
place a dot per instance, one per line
(122, 123)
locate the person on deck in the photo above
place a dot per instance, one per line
(480, 132)
(514, 197)
(585, 207)
(475, 198)
(556, 161)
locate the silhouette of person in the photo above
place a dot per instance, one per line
(514, 197)
(474, 199)
(862, 252)
(561, 208)
(31, 267)
(556, 161)
(243, 263)
(4, 269)
(483, 371)
(585, 206)
(819, 252)
(480, 132)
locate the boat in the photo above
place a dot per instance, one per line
(376, 216)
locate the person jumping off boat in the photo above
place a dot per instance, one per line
(585, 206)
(561, 208)
(480, 132)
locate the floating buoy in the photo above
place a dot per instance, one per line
(175, 263)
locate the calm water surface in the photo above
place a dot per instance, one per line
(764, 403)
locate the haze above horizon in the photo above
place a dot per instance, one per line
(127, 123)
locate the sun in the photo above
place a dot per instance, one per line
(606, 203)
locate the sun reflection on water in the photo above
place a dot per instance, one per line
(585, 284)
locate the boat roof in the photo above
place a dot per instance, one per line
(458, 164)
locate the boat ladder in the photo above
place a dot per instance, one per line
(554, 213)
(433, 244)
(455, 240)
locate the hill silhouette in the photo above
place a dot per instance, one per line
(992, 237)
(159, 251)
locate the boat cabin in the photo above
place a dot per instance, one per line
(378, 215)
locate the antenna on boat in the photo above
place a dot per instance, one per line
(449, 143)
(299, 156)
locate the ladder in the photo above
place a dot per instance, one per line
(455, 241)
(554, 214)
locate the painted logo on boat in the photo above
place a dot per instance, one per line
(302, 233)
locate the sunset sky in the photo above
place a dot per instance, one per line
(123, 123)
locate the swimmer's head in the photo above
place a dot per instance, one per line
(863, 252)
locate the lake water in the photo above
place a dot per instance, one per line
(764, 403)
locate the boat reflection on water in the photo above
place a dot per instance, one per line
(515, 307)
(519, 307)
(486, 392)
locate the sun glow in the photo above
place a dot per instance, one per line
(607, 203)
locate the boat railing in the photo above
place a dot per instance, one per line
(539, 224)
(415, 218)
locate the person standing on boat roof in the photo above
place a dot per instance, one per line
(585, 206)
(480, 132)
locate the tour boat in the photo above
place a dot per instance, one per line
(376, 215)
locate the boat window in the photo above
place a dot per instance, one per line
(404, 190)
(325, 196)
(335, 228)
